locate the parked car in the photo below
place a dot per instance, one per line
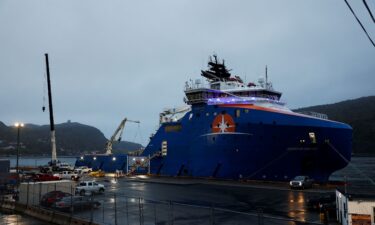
(67, 175)
(316, 203)
(45, 169)
(83, 170)
(89, 187)
(44, 177)
(51, 197)
(59, 166)
(74, 203)
(62, 167)
(301, 182)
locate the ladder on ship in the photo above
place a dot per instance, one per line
(142, 163)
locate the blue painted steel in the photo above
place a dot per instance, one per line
(266, 145)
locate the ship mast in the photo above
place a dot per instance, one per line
(52, 124)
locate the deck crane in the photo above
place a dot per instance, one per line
(117, 135)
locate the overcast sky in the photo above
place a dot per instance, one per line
(116, 59)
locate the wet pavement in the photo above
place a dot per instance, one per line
(231, 202)
(222, 202)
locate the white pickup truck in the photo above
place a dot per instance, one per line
(67, 175)
(89, 187)
(82, 170)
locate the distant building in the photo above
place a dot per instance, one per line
(355, 205)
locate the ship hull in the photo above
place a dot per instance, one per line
(257, 144)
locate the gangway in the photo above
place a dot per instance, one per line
(137, 162)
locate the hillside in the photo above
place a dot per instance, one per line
(358, 113)
(71, 139)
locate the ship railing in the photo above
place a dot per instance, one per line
(315, 114)
(197, 84)
(243, 100)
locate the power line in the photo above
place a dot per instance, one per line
(369, 11)
(363, 28)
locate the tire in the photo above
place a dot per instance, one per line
(82, 192)
(101, 190)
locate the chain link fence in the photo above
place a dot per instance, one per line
(114, 209)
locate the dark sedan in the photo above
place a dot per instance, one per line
(75, 203)
(301, 182)
(50, 198)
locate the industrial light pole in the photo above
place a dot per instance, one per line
(18, 125)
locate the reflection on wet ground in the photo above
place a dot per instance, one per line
(14, 219)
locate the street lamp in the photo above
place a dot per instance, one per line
(18, 125)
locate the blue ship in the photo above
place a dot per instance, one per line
(232, 130)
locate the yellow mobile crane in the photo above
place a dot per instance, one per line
(117, 135)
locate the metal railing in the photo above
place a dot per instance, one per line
(119, 208)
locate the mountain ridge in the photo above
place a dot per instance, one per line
(73, 138)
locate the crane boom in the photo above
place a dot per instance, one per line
(117, 135)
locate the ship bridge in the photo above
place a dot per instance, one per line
(220, 87)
